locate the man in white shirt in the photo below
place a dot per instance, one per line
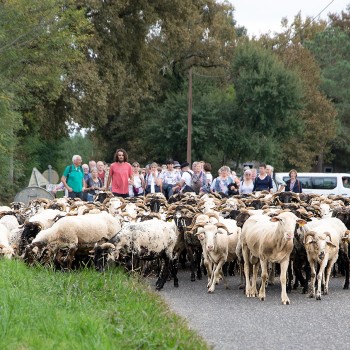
(278, 184)
(186, 178)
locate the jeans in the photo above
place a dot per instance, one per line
(168, 190)
(75, 195)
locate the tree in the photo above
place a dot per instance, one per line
(268, 97)
(317, 115)
(331, 49)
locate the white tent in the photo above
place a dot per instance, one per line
(37, 179)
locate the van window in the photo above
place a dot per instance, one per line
(306, 181)
(317, 183)
(324, 183)
(346, 181)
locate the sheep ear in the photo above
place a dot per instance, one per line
(275, 219)
(331, 244)
(301, 222)
(200, 235)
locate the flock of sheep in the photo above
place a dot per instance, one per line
(307, 235)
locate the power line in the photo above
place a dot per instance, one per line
(321, 11)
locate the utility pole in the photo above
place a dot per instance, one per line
(189, 118)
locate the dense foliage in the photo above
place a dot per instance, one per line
(120, 70)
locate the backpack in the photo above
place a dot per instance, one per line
(71, 169)
(198, 181)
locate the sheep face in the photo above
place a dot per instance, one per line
(64, 257)
(287, 223)
(318, 244)
(32, 253)
(211, 232)
(30, 231)
(104, 256)
(6, 252)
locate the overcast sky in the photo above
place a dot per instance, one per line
(261, 16)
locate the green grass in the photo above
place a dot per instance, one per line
(44, 309)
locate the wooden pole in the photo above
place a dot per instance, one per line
(189, 118)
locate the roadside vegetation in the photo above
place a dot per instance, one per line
(45, 309)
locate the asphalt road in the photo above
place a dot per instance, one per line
(229, 320)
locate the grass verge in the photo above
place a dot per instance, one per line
(44, 309)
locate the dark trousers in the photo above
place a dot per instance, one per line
(115, 194)
(75, 195)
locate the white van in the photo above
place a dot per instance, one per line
(322, 183)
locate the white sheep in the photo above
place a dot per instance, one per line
(214, 238)
(5, 249)
(146, 240)
(268, 239)
(73, 234)
(322, 239)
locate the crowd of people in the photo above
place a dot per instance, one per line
(130, 180)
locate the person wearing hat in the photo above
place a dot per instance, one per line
(170, 178)
(176, 165)
(184, 185)
(293, 184)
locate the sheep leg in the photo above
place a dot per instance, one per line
(320, 277)
(163, 273)
(346, 259)
(198, 262)
(290, 276)
(212, 275)
(313, 277)
(192, 262)
(328, 273)
(283, 278)
(208, 267)
(264, 276)
(246, 271)
(216, 275)
(271, 275)
(173, 268)
(254, 291)
(307, 270)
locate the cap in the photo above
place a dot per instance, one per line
(176, 164)
(183, 165)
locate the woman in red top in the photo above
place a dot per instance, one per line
(120, 174)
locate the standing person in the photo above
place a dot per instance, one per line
(120, 174)
(247, 184)
(224, 182)
(209, 176)
(92, 164)
(278, 185)
(73, 178)
(138, 185)
(93, 185)
(101, 171)
(170, 178)
(184, 185)
(263, 182)
(199, 180)
(87, 174)
(153, 180)
(254, 173)
(293, 184)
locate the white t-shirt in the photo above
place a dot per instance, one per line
(245, 189)
(170, 177)
(209, 177)
(186, 176)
